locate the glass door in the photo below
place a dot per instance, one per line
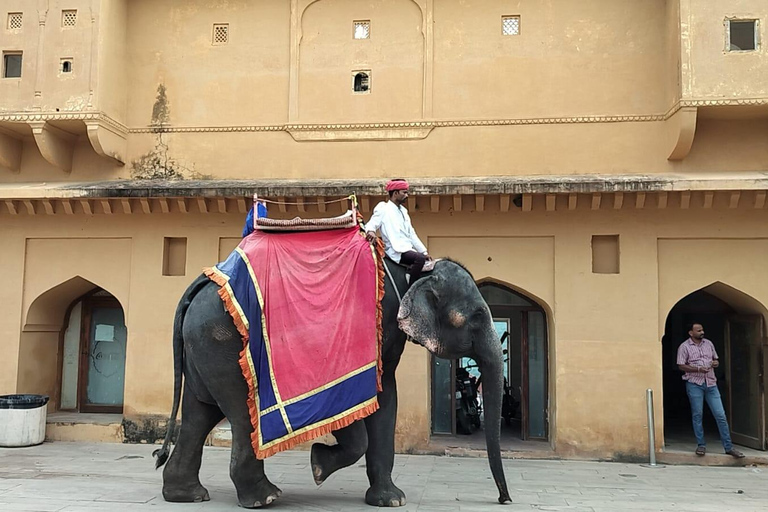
(102, 362)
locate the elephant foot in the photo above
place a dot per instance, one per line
(385, 496)
(319, 454)
(194, 494)
(264, 493)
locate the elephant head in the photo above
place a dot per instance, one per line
(446, 314)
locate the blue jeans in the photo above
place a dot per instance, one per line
(697, 393)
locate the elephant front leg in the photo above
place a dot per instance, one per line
(352, 444)
(380, 457)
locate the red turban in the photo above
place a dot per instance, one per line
(397, 185)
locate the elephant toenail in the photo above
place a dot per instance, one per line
(270, 499)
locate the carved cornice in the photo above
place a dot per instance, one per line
(26, 117)
(236, 202)
(29, 117)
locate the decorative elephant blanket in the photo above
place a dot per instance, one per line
(308, 306)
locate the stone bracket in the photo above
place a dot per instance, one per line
(681, 128)
(10, 152)
(56, 146)
(107, 141)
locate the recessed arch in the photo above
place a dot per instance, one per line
(49, 308)
(522, 323)
(735, 323)
(56, 344)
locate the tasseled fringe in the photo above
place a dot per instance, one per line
(379, 311)
(316, 432)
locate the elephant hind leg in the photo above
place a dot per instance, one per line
(352, 444)
(247, 472)
(181, 481)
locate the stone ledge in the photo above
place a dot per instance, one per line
(449, 186)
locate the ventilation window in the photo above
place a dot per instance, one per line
(66, 65)
(174, 256)
(14, 20)
(69, 18)
(12, 65)
(742, 35)
(221, 34)
(510, 25)
(361, 82)
(605, 254)
(362, 30)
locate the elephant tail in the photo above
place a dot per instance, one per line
(178, 364)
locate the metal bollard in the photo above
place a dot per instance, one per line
(651, 428)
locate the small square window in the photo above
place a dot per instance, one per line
(361, 81)
(362, 30)
(69, 18)
(510, 25)
(15, 20)
(221, 34)
(66, 65)
(742, 35)
(12, 65)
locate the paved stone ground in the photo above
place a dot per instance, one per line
(116, 477)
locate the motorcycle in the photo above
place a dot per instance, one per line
(509, 405)
(468, 408)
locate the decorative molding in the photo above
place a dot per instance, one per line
(30, 117)
(354, 134)
(291, 205)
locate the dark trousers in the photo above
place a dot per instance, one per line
(415, 261)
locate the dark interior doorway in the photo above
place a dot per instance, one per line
(521, 326)
(737, 334)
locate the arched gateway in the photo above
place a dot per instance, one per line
(525, 348)
(735, 323)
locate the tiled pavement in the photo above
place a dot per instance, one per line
(117, 477)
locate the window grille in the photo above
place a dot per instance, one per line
(510, 25)
(362, 30)
(15, 20)
(221, 34)
(69, 18)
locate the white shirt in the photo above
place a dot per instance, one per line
(396, 230)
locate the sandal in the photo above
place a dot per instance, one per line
(701, 451)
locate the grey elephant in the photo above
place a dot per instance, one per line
(442, 311)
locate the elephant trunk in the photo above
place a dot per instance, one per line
(491, 367)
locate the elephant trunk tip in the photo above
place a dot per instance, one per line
(503, 498)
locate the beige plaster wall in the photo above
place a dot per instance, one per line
(571, 58)
(604, 330)
(328, 54)
(243, 82)
(111, 53)
(712, 71)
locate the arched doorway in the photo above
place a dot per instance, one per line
(734, 322)
(82, 327)
(521, 325)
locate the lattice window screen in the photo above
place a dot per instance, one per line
(510, 25)
(15, 20)
(221, 34)
(69, 18)
(362, 29)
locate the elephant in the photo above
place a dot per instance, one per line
(443, 311)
